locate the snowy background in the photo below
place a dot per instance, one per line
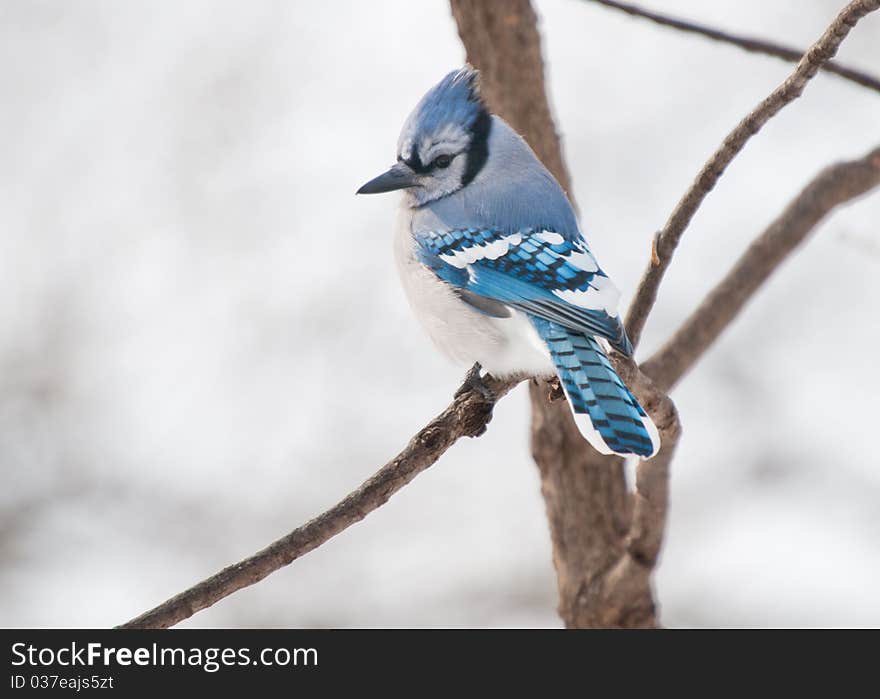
(186, 373)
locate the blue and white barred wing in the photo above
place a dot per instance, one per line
(534, 270)
(556, 281)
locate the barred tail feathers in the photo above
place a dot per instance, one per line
(605, 411)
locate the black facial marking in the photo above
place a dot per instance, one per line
(415, 163)
(478, 152)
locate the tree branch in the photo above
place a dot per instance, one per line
(747, 43)
(593, 526)
(619, 592)
(668, 238)
(467, 416)
(833, 186)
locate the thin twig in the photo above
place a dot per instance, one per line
(667, 240)
(747, 43)
(833, 186)
(466, 416)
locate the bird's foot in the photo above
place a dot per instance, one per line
(556, 392)
(474, 382)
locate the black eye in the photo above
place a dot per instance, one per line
(442, 161)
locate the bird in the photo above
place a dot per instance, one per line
(496, 269)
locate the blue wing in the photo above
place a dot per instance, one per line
(534, 270)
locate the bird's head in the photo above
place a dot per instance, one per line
(444, 142)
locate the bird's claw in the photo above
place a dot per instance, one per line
(474, 382)
(556, 392)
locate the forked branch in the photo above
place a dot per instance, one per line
(668, 238)
(836, 185)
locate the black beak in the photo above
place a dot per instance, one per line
(399, 176)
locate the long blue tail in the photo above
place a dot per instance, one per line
(606, 412)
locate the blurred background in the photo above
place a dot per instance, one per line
(203, 342)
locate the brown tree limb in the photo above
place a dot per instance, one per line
(605, 541)
(467, 416)
(668, 238)
(747, 43)
(833, 186)
(593, 526)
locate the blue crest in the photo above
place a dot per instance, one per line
(455, 100)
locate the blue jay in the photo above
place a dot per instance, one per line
(495, 268)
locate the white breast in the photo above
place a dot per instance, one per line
(503, 346)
